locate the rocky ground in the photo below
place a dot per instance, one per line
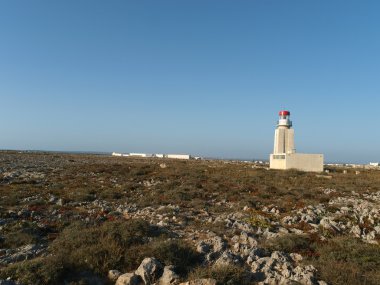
(242, 224)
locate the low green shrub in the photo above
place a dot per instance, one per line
(223, 274)
(346, 260)
(102, 247)
(172, 252)
(82, 248)
(20, 234)
(290, 243)
(39, 271)
(94, 250)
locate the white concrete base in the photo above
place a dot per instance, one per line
(299, 161)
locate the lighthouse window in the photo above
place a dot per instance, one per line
(279, 156)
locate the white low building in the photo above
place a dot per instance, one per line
(156, 155)
(178, 156)
(138, 154)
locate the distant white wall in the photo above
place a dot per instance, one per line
(138, 154)
(178, 156)
(157, 155)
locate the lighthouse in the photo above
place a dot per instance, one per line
(284, 134)
(284, 154)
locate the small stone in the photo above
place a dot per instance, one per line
(296, 257)
(162, 224)
(356, 231)
(113, 275)
(52, 199)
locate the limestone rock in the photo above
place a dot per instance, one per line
(25, 252)
(113, 275)
(60, 202)
(212, 248)
(129, 279)
(169, 277)
(356, 231)
(150, 270)
(228, 258)
(280, 268)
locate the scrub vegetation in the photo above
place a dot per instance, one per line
(88, 214)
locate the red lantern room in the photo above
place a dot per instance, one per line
(284, 120)
(284, 113)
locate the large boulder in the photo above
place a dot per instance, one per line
(129, 279)
(150, 270)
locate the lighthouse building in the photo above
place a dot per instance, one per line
(284, 154)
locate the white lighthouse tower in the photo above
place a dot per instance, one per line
(284, 154)
(284, 135)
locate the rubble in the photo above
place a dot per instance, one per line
(355, 215)
(22, 253)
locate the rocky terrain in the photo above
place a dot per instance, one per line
(91, 219)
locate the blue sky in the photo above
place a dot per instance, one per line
(201, 77)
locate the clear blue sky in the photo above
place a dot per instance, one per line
(200, 77)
